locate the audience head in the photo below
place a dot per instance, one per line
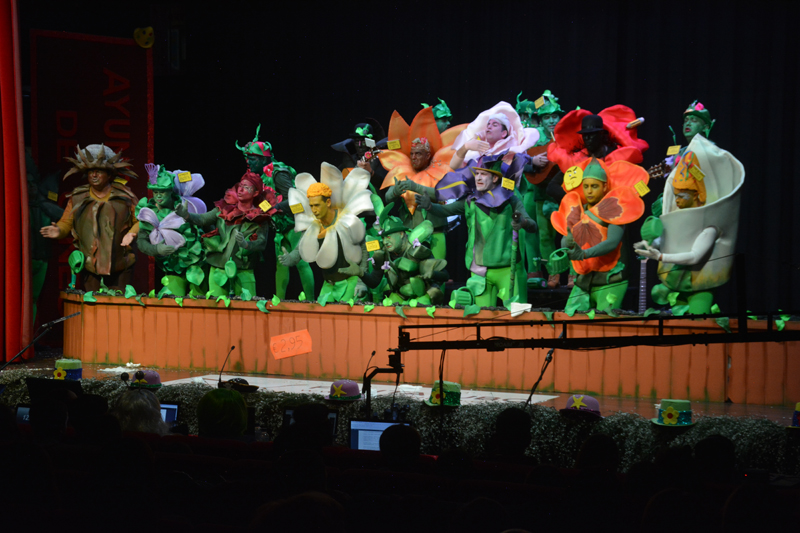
(139, 410)
(400, 445)
(222, 414)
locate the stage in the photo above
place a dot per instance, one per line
(198, 335)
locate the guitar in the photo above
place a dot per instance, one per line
(659, 171)
(642, 286)
(549, 170)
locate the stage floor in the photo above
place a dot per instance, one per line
(44, 364)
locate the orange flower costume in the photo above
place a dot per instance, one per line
(398, 161)
(568, 150)
(621, 205)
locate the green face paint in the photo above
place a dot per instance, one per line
(394, 241)
(692, 125)
(442, 123)
(162, 198)
(256, 163)
(550, 120)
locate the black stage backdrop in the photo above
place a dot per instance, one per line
(309, 74)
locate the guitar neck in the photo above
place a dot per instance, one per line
(642, 286)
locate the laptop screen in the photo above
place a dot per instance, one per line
(333, 419)
(169, 412)
(366, 434)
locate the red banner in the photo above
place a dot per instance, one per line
(88, 89)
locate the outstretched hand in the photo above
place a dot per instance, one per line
(51, 231)
(352, 270)
(287, 259)
(423, 201)
(242, 241)
(128, 238)
(182, 211)
(477, 145)
(645, 250)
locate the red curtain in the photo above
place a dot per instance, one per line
(15, 278)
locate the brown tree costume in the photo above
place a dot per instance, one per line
(98, 224)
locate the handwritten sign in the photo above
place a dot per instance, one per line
(185, 177)
(674, 150)
(508, 184)
(297, 208)
(573, 177)
(52, 196)
(641, 188)
(696, 173)
(290, 344)
(373, 246)
(394, 144)
(539, 102)
(265, 206)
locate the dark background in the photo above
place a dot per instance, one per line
(309, 74)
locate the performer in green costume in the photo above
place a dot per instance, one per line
(407, 262)
(169, 238)
(527, 112)
(538, 203)
(484, 193)
(280, 177)
(240, 222)
(442, 115)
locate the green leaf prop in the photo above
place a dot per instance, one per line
(89, 297)
(225, 300)
(164, 290)
(412, 303)
(610, 311)
(262, 306)
(399, 311)
(724, 323)
(179, 301)
(452, 303)
(230, 268)
(152, 294)
(219, 277)
(139, 299)
(780, 323)
(548, 315)
(472, 309)
(195, 275)
(751, 317)
(714, 309)
(430, 310)
(246, 296)
(103, 287)
(672, 298)
(351, 302)
(302, 297)
(590, 314)
(680, 310)
(368, 308)
(165, 281)
(275, 300)
(387, 302)
(75, 261)
(651, 311)
(130, 292)
(323, 299)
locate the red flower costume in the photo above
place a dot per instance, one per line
(568, 150)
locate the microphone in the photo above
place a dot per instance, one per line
(62, 319)
(219, 385)
(240, 385)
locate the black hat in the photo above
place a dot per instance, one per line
(591, 124)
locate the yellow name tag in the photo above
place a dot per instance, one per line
(52, 196)
(641, 188)
(674, 150)
(573, 177)
(696, 173)
(373, 246)
(393, 145)
(183, 177)
(265, 206)
(508, 184)
(539, 102)
(297, 208)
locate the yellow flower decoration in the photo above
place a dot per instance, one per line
(60, 373)
(436, 398)
(670, 416)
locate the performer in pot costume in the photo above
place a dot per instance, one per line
(700, 222)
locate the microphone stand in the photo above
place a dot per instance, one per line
(547, 360)
(47, 327)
